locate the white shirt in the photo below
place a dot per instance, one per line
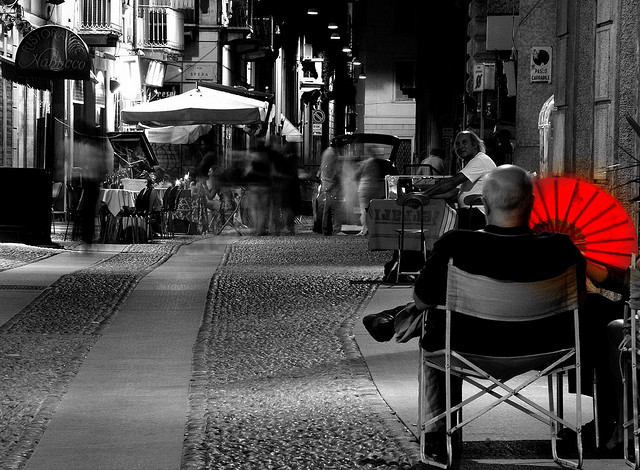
(476, 172)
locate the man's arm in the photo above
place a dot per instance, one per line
(446, 186)
(613, 279)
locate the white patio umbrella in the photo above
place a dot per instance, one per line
(176, 134)
(202, 105)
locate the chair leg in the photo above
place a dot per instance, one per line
(630, 391)
(555, 425)
(596, 418)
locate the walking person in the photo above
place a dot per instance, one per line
(371, 182)
(331, 191)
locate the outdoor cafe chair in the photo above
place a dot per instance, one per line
(75, 200)
(230, 220)
(413, 200)
(510, 303)
(631, 426)
(136, 229)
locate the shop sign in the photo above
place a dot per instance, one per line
(541, 64)
(53, 52)
(198, 72)
(162, 92)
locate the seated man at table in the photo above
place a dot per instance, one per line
(467, 183)
(508, 249)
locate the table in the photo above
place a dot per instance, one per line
(384, 218)
(114, 200)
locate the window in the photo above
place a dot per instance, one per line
(405, 81)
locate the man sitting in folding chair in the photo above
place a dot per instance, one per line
(508, 250)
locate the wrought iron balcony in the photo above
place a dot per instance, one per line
(99, 22)
(161, 24)
(236, 14)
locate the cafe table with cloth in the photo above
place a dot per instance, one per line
(112, 202)
(384, 216)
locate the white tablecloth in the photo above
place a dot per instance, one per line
(115, 199)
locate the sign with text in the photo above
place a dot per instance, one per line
(541, 64)
(198, 72)
(384, 219)
(53, 52)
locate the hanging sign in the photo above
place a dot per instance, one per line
(318, 116)
(53, 52)
(541, 64)
(484, 77)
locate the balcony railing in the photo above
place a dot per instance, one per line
(174, 4)
(236, 14)
(100, 17)
(160, 26)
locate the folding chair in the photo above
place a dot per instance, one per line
(509, 302)
(630, 384)
(230, 222)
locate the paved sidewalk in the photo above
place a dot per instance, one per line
(22, 285)
(108, 418)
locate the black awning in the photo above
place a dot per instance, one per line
(10, 72)
(125, 145)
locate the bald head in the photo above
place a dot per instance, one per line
(508, 196)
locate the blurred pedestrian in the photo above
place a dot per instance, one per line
(371, 181)
(433, 163)
(331, 191)
(258, 179)
(286, 188)
(208, 156)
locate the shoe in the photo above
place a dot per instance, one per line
(381, 325)
(340, 234)
(435, 447)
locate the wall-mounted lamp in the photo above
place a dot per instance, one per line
(356, 61)
(312, 11)
(346, 48)
(332, 26)
(362, 75)
(114, 84)
(335, 36)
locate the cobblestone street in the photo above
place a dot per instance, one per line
(277, 379)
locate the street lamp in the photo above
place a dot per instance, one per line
(362, 75)
(335, 36)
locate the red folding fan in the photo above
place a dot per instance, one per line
(594, 220)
